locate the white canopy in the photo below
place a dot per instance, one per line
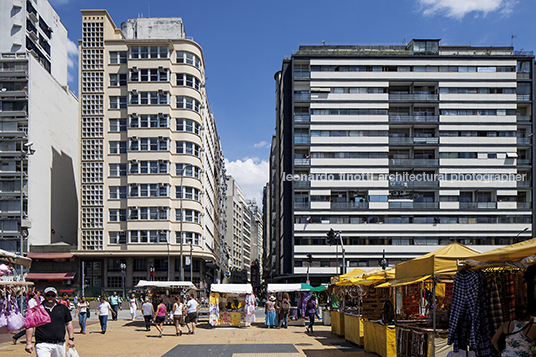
(231, 288)
(165, 284)
(15, 258)
(281, 288)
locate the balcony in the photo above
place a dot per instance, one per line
(301, 205)
(524, 161)
(302, 184)
(400, 118)
(523, 97)
(414, 205)
(413, 162)
(302, 162)
(302, 97)
(413, 184)
(524, 205)
(302, 75)
(302, 140)
(349, 205)
(523, 118)
(302, 118)
(523, 141)
(524, 184)
(393, 140)
(478, 205)
(523, 75)
(413, 97)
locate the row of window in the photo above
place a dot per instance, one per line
(145, 98)
(478, 133)
(392, 177)
(395, 241)
(339, 133)
(153, 167)
(153, 75)
(160, 97)
(385, 112)
(154, 121)
(145, 52)
(153, 236)
(354, 90)
(483, 69)
(349, 155)
(152, 214)
(154, 190)
(462, 219)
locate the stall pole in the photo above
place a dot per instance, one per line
(435, 303)
(191, 262)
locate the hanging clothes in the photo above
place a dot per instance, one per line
(250, 308)
(468, 323)
(530, 280)
(491, 295)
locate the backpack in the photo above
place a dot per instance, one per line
(286, 305)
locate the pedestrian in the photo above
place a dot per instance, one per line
(31, 303)
(114, 303)
(133, 306)
(75, 301)
(519, 333)
(81, 310)
(191, 310)
(65, 300)
(310, 310)
(102, 311)
(160, 316)
(269, 310)
(147, 310)
(284, 310)
(177, 311)
(50, 338)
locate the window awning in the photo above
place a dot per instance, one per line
(63, 255)
(511, 154)
(50, 276)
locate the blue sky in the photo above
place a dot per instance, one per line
(244, 43)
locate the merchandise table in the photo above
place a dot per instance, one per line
(353, 329)
(436, 344)
(337, 322)
(379, 338)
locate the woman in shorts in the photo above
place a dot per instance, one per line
(160, 316)
(177, 310)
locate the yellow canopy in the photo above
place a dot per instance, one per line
(511, 253)
(344, 278)
(439, 262)
(383, 274)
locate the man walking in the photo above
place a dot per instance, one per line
(114, 302)
(50, 338)
(103, 308)
(191, 307)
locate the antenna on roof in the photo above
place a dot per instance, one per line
(512, 39)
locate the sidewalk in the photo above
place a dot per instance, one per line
(129, 338)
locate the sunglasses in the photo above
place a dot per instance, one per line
(50, 295)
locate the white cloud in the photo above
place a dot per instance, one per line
(251, 174)
(72, 60)
(262, 145)
(459, 8)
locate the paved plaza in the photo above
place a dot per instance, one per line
(129, 338)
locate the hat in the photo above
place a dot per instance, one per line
(272, 298)
(50, 288)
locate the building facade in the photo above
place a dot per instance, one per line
(38, 129)
(238, 235)
(151, 159)
(400, 149)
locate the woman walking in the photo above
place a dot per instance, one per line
(147, 310)
(284, 310)
(160, 317)
(133, 306)
(177, 311)
(81, 310)
(269, 310)
(311, 312)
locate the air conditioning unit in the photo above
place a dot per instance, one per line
(161, 69)
(133, 161)
(202, 84)
(162, 208)
(160, 161)
(161, 184)
(135, 91)
(201, 149)
(161, 138)
(161, 92)
(134, 138)
(33, 35)
(201, 127)
(135, 184)
(134, 69)
(134, 115)
(161, 115)
(134, 208)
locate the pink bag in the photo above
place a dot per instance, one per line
(15, 320)
(36, 316)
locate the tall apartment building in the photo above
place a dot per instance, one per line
(152, 164)
(400, 149)
(257, 231)
(238, 235)
(38, 129)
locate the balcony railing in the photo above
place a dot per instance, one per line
(523, 140)
(524, 161)
(302, 162)
(412, 140)
(302, 97)
(523, 97)
(523, 75)
(302, 140)
(523, 117)
(525, 184)
(414, 205)
(413, 162)
(524, 205)
(349, 205)
(413, 184)
(301, 205)
(398, 118)
(302, 74)
(302, 184)
(408, 97)
(302, 118)
(478, 205)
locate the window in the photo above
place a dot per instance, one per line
(148, 236)
(188, 80)
(118, 80)
(188, 58)
(149, 52)
(149, 190)
(149, 121)
(118, 125)
(118, 238)
(146, 98)
(117, 170)
(149, 167)
(118, 57)
(188, 103)
(118, 102)
(187, 238)
(186, 147)
(118, 147)
(118, 215)
(190, 193)
(149, 213)
(189, 170)
(188, 125)
(118, 192)
(149, 75)
(139, 265)
(189, 215)
(149, 144)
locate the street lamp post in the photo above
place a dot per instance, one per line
(123, 268)
(25, 151)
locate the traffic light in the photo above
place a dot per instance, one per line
(332, 237)
(310, 259)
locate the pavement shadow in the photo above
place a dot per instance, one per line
(131, 323)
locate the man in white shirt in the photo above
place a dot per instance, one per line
(102, 311)
(191, 307)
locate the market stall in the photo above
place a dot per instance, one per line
(231, 305)
(167, 291)
(498, 280)
(299, 294)
(417, 283)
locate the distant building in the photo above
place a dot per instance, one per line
(399, 148)
(151, 159)
(38, 132)
(256, 242)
